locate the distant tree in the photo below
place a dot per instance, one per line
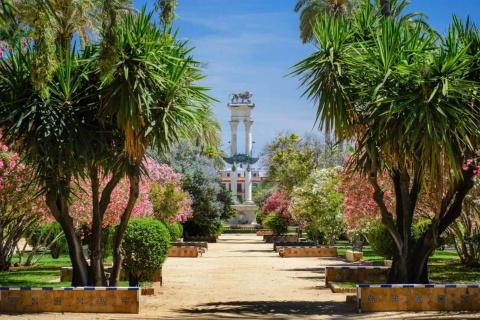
(318, 204)
(201, 180)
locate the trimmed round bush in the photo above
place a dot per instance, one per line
(277, 223)
(145, 242)
(381, 240)
(175, 230)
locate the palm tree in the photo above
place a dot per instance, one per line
(88, 125)
(409, 101)
(311, 9)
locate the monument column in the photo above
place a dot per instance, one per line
(241, 107)
(248, 152)
(233, 150)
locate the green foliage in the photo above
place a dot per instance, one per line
(258, 216)
(46, 234)
(381, 240)
(146, 243)
(175, 230)
(277, 223)
(202, 182)
(261, 193)
(318, 204)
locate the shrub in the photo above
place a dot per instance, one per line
(175, 230)
(146, 243)
(277, 223)
(258, 217)
(381, 240)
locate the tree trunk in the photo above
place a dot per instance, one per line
(97, 272)
(117, 249)
(385, 4)
(58, 206)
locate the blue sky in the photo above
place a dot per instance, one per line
(251, 45)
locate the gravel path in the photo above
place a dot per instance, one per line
(240, 277)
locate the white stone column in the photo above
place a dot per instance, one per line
(233, 151)
(248, 151)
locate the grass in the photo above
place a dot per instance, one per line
(41, 274)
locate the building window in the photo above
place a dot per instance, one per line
(254, 174)
(255, 184)
(228, 174)
(239, 174)
(239, 187)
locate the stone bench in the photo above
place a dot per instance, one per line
(70, 299)
(179, 251)
(353, 256)
(356, 274)
(288, 238)
(201, 244)
(310, 251)
(264, 233)
(418, 297)
(278, 244)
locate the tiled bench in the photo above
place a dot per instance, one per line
(70, 299)
(279, 244)
(308, 252)
(271, 239)
(201, 244)
(264, 233)
(356, 274)
(178, 251)
(418, 297)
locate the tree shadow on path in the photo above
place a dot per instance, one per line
(296, 309)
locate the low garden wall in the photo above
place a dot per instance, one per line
(287, 252)
(178, 251)
(287, 238)
(70, 299)
(418, 297)
(279, 244)
(356, 274)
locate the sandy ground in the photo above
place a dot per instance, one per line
(240, 277)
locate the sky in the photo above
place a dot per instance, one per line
(252, 45)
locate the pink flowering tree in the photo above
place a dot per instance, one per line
(160, 196)
(360, 210)
(20, 210)
(278, 203)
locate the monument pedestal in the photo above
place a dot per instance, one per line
(246, 214)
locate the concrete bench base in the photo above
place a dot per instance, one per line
(288, 252)
(418, 297)
(353, 256)
(70, 299)
(356, 274)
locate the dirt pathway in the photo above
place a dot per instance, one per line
(240, 277)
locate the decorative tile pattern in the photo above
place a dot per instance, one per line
(359, 274)
(309, 251)
(418, 297)
(81, 299)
